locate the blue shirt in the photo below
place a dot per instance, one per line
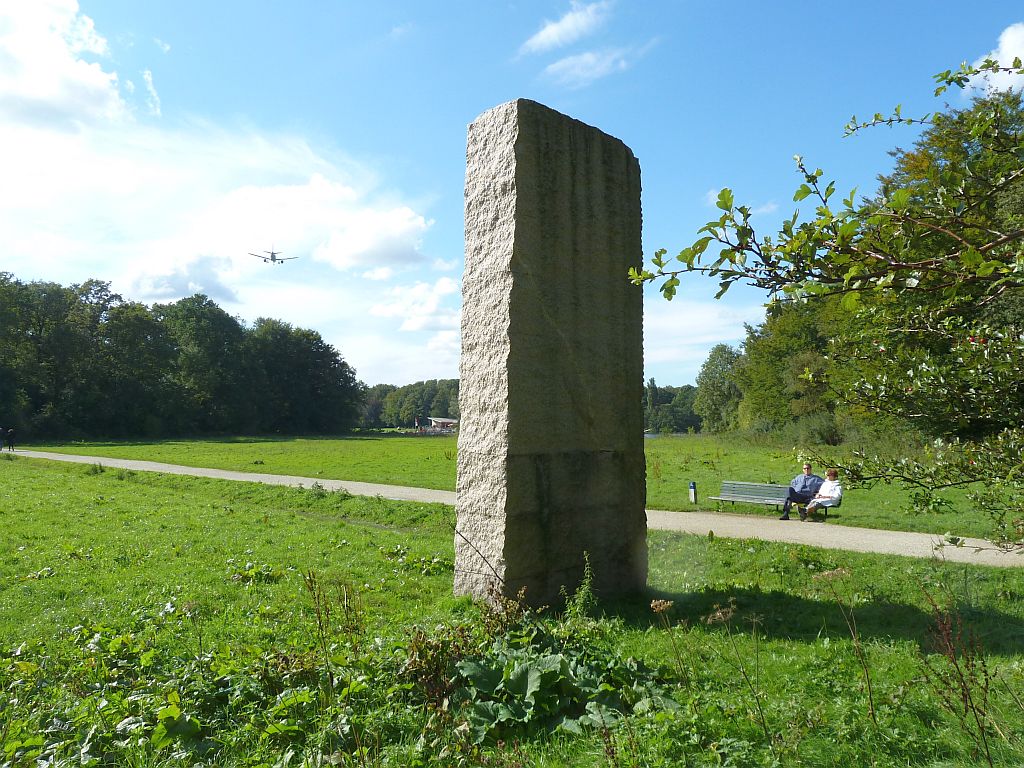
(806, 484)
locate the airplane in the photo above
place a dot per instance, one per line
(273, 258)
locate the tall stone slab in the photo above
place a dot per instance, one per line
(551, 457)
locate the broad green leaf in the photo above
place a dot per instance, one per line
(725, 200)
(802, 193)
(481, 676)
(525, 680)
(987, 268)
(971, 258)
(701, 245)
(899, 199)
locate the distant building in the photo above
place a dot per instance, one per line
(447, 424)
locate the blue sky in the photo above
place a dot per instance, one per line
(155, 144)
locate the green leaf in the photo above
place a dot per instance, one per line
(988, 268)
(480, 676)
(899, 199)
(725, 200)
(524, 680)
(802, 192)
(701, 245)
(851, 301)
(161, 738)
(971, 258)
(846, 232)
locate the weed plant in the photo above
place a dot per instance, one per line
(160, 620)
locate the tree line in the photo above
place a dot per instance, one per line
(80, 361)
(386, 405)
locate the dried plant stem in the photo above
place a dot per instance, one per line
(858, 649)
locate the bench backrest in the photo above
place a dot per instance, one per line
(765, 491)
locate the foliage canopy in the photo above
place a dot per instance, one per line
(929, 273)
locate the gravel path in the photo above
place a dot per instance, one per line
(830, 536)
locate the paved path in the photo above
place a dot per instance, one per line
(830, 536)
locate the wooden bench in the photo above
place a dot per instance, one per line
(771, 494)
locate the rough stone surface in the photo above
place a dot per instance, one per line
(551, 460)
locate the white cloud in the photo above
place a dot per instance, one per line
(711, 197)
(420, 306)
(203, 275)
(91, 191)
(678, 335)
(582, 69)
(770, 207)
(1011, 46)
(380, 273)
(371, 237)
(44, 79)
(403, 358)
(577, 23)
(165, 47)
(152, 97)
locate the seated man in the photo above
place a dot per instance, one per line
(830, 494)
(801, 490)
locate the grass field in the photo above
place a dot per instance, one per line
(430, 462)
(158, 620)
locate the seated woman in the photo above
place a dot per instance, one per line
(830, 494)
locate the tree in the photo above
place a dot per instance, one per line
(669, 409)
(943, 237)
(373, 405)
(81, 361)
(404, 406)
(718, 398)
(686, 417)
(304, 385)
(137, 355)
(210, 371)
(775, 355)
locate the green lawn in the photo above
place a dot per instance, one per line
(159, 620)
(430, 462)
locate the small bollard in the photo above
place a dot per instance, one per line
(693, 492)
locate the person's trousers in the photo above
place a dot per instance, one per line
(795, 497)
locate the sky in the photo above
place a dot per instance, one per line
(156, 145)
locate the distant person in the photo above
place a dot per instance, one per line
(10, 439)
(801, 490)
(829, 495)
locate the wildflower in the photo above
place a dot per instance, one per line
(721, 615)
(661, 606)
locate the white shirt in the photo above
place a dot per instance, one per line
(830, 489)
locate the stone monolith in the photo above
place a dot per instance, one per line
(551, 458)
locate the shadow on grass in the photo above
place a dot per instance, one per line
(784, 616)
